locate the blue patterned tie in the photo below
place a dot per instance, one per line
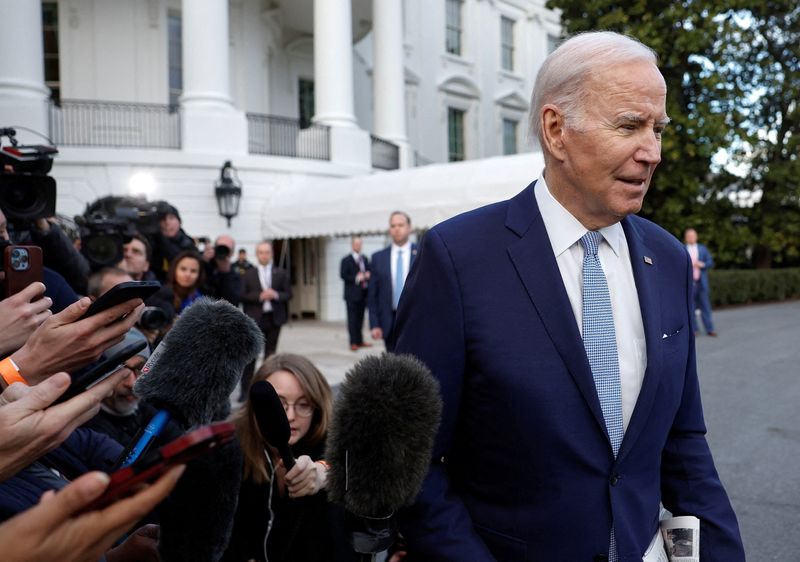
(399, 279)
(600, 341)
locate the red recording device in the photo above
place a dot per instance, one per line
(127, 481)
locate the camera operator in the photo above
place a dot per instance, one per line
(169, 241)
(222, 279)
(59, 253)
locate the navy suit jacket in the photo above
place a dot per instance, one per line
(522, 467)
(348, 271)
(379, 298)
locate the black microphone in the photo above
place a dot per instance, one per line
(197, 365)
(271, 419)
(380, 442)
(191, 376)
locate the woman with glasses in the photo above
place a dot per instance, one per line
(284, 516)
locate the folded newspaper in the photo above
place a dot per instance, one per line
(677, 540)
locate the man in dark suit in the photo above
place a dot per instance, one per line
(266, 291)
(701, 263)
(354, 271)
(558, 325)
(390, 268)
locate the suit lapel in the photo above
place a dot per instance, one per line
(645, 265)
(533, 259)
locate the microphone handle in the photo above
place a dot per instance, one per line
(287, 457)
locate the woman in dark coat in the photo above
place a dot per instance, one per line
(284, 516)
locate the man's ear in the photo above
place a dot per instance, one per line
(553, 129)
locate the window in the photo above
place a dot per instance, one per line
(507, 43)
(510, 136)
(174, 56)
(52, 76)
(455, 134)
(306, 100)
(453, 28)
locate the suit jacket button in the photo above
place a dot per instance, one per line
(614, 479)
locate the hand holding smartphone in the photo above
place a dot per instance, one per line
(120, 293)
(22, 266)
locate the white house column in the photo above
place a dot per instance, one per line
(210, 121)
(388, 75)
(23, 95)
(333, 82)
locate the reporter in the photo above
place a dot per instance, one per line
(21, 314)
(31, 427)
(65, 342)
(285, 515)
(50, 531)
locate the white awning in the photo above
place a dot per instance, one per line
(429, 194)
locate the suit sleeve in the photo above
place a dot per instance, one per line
(708, 259)
(373, 299)
(430, 325)
(346, 272)
(250, 290)
(283, 288)
(690, 484)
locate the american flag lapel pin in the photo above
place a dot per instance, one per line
(648, 260)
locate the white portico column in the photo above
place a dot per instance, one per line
(210, 121)
(23, 95)
(388, 75)
(333, 82)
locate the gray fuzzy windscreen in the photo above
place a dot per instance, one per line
(379, 444)
(198, 364)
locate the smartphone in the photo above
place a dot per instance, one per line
(125, 291)
(23, 266)
(126, 481)
(99, 371)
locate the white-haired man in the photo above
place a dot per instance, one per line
(558, 325)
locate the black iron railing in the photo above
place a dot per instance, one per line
(115, 124)
(385, 155)
(282, 136)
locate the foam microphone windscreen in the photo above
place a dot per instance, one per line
(380, 440)
(195, 368)
(271, 419)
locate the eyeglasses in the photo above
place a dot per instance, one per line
(302, 409)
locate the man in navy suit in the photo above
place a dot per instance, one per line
(390, 268)
(354, 271)
(558, 324)
(701, 262)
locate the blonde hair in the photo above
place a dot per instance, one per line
(315, 388)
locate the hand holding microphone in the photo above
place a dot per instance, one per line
(306, 478)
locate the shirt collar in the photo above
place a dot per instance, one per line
(405, 247)
(563, 229)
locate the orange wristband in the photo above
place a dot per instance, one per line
(10, 372)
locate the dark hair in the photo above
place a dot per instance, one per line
(180, 293)
(316, 389)
(148, 251)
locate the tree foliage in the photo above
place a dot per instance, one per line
(733, 81)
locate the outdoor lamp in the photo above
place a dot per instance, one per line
(228, 191)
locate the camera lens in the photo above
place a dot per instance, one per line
(153, 318)
(102, 249)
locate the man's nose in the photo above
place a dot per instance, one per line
(649, 150)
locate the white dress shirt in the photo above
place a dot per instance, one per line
(406, 248)
(565, 232)
(265, 277)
